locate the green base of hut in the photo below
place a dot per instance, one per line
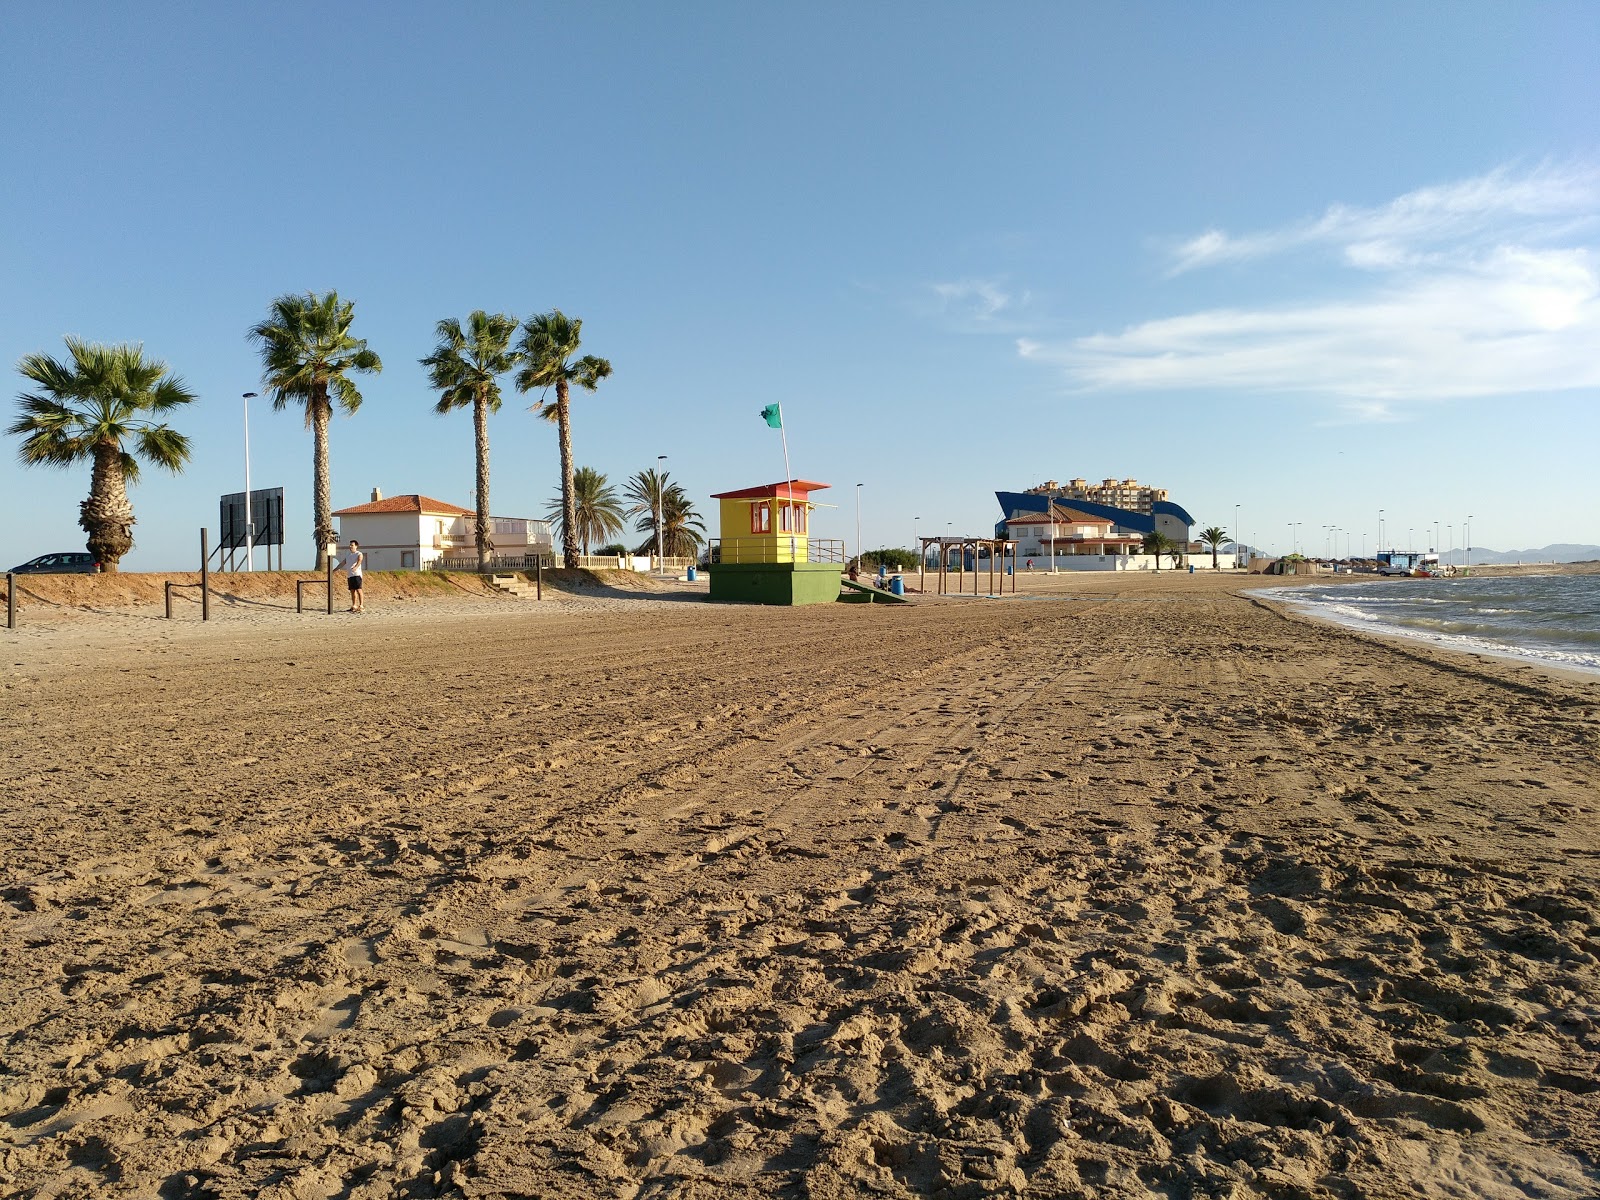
(775, 583)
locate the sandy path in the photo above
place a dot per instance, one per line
(1156, 891)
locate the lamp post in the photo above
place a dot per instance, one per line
(858, 526)
(1435, 546)
(249, 524)
(661, 476)
(1237, 558)
(1468, 539)
(1380, 531)
(916, 538)
(1050, 513)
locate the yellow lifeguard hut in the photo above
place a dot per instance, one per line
(766, 554)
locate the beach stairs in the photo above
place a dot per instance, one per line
(512, 585)
(860, 593)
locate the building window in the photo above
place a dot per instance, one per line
(761, 518)
(408, 559)
(792, 518)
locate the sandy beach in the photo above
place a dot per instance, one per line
(1129, 886)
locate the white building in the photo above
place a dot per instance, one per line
(415, 533)
(1072, 532)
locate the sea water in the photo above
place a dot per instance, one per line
(1552, 619)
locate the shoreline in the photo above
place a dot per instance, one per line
(1455, 645)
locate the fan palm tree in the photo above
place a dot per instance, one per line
(682, 530)
(548, 344)
(1158, 543)
(1214, 537)
(645, 492)
(92, 408)
(464, 369)
(308, 356)
(595, 506)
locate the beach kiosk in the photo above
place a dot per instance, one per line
(766, 554)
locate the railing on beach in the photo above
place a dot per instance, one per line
(498, 562)
(776, 550)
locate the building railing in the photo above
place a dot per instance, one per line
(498, 562)
(782, 549)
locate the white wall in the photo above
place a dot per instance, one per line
(385, 536)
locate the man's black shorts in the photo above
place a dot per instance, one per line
(355, 583)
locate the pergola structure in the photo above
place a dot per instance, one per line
(998, 548)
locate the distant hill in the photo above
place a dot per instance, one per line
(1562, 552)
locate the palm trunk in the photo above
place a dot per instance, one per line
(569, 507)
(322, 508)
(480, 431)
(106, 516)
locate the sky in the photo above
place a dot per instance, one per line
(1291, 263)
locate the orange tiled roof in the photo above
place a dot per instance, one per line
(407, 504)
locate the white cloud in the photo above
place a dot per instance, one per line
(978, 303)
(1448, 213)
(1478, 288)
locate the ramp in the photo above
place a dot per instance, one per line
(872, 594)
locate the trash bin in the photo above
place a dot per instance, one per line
(897, 586)
(1191, 568)
(691, 575)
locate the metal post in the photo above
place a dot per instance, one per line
(168, 590)
(922, 565)
(205, 575)
(538, 577)
(11, 600)
(330, 580)
(858, 527)
(249, 525)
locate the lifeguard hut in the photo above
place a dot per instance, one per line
(766, 554)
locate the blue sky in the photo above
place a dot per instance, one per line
(1309, 262)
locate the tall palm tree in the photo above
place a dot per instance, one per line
(645, 491)
(1158, 543)
(1214, 537)
(308, 356)
(464, 369)
(682, 530)
(597, 510)
(92, 408)
(548, 344)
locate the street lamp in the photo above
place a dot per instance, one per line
(858, 526)
(916, 540)
(249, 525)
(1380, 531)
(661, 505)
(1468, 538)
(1237, 560)
(1050, 512)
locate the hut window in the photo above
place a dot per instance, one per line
(761, 518)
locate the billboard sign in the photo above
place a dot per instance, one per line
(266, 513)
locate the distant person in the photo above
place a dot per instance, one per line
(354, 565)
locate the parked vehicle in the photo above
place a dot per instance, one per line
(59, 564)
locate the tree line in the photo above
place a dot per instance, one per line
(106, 405)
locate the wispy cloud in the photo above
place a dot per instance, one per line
(1484, 287)
(1441, 217)
(985, 304)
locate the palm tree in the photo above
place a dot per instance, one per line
(645, 493)
(308, 355)
(464, 369)
(682, 530)
(1214, 537)
(1158, 543)
(596, 509)
(90, 408)
(549, 341)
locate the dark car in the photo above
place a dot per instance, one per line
(59, 564)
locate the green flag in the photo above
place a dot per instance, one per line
(772, 414)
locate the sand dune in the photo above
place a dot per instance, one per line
(1153, 890)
